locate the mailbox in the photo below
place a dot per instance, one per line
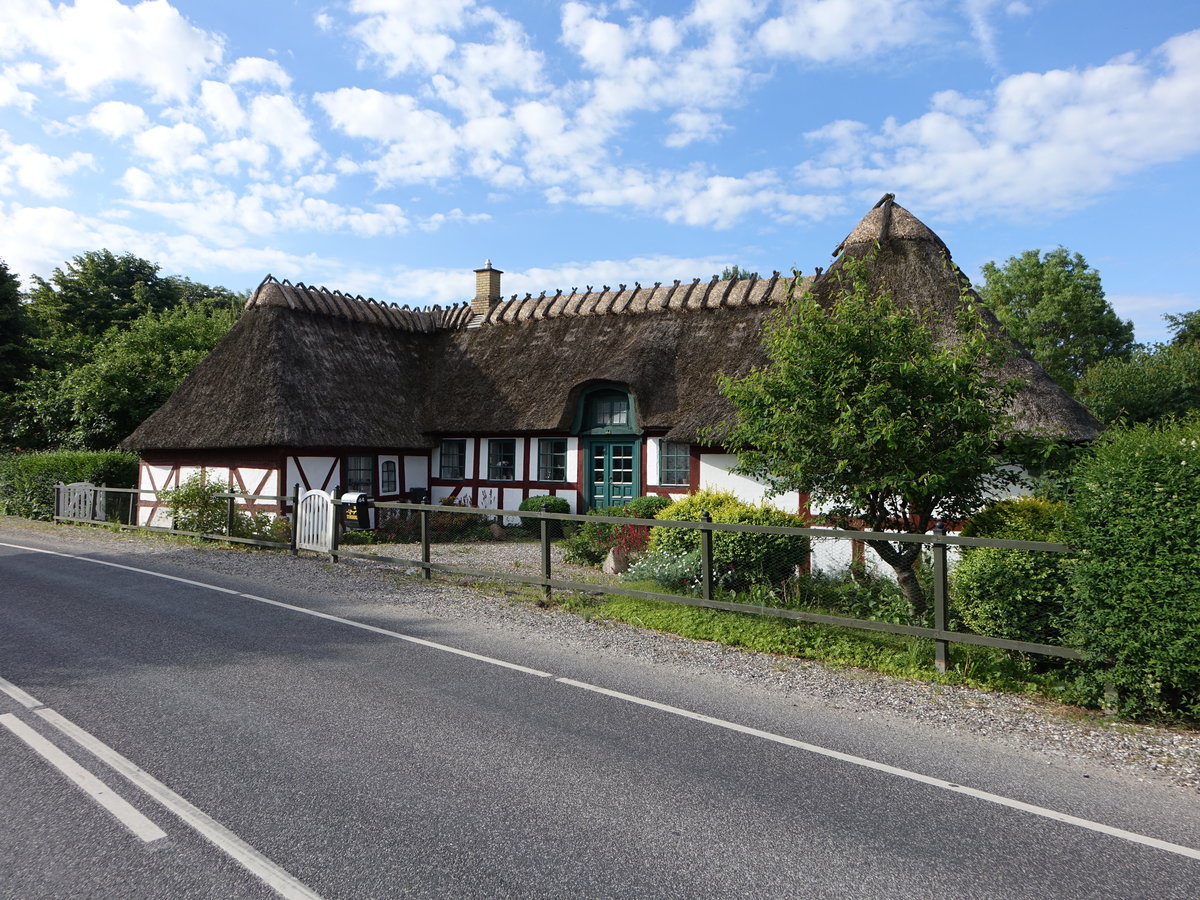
(356, 511)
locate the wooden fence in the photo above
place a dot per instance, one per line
(938, 543)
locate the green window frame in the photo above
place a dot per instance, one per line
(552, 459)
(674, 464)
(607, 409)
(502, 459)
(453, 459)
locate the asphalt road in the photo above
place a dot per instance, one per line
(295, 752)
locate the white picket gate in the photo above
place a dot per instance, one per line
(81, 501)
(314, 522)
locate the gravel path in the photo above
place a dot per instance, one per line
(1016, 721)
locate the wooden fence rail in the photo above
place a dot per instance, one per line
(709, 597)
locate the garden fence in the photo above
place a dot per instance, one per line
(457, 540)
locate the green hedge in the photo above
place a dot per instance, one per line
(27, 479)
(1135, 519)
(1015, 594)
(740, 559)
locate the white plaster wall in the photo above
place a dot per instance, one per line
(416, 472)
(572, 465)
(652, 451)
(511, 499)
(715, 474)
(315, 469)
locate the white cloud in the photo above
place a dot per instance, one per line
(276, 120)
(977, 12)
(117, 119)
(11, 93)
(409, 34)
(257, 69)
(847, 30)
(171, 148)
(95, 43)
(1039, 141)
(25, 167)
(419, 143)
(222, 106)
(692, 125)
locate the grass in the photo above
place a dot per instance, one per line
(889, 654)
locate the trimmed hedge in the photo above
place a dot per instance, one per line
(27, 479)
(739, 559)
(1015, 594)
(544, 503)
(1135, 519)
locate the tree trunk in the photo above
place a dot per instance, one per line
(910, 586)
(903, 562)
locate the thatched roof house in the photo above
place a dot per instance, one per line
(497, 400)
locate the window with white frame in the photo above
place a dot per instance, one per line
(453, 458)
(387, 477)
(502, 459)
(552, 459)
(674, 464)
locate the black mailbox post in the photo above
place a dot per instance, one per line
(356, 511)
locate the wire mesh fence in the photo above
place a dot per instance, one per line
(804, 574)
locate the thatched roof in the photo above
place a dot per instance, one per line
(915, 267)
(310, 367)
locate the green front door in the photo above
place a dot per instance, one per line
(612, 477)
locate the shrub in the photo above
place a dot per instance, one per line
(740, 559)
(591, 541)
(262, 526)
(397, 528)
(27, 479)
(1136, 597)
(862, 595)
(195, 505)
(648, 506)
(1014, 594)
(675, 572)
(544, 503)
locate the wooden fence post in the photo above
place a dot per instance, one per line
(940, 647)
(426, 572)
(545, 527)
(295, 519)
(706, 557)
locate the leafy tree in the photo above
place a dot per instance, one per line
(861, 407)
(734, 273)
(1053, 303)
(132, 372)
(1135, 603)
(96, 291)
(13, 361)
(111, 339)
(1186, 327)
(1153, 383)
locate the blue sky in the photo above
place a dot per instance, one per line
(387, 147)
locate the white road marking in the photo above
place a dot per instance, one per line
(939, 783)
(275, 877)
(120, 808)
(19, 695)
(433, 645)
(893, 770)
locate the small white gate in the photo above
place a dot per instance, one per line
(314, 522)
